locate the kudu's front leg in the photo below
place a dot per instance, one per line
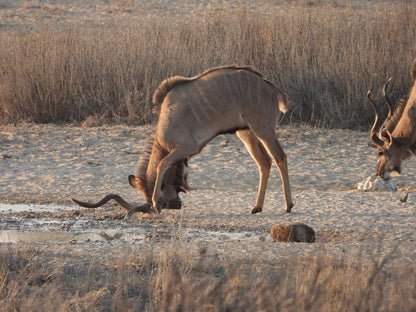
(173, 156)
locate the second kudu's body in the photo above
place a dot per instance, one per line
(192, 111)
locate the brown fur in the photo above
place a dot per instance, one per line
(413, 70)
(163, 89)
(397, 114)
(172, 82)
(142, 166)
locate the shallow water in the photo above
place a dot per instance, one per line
(38, 230)
(15, 236)
(7, 208)
(135, 235)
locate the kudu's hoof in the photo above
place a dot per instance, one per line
(158, 208)
(256, 210)
(289, 208)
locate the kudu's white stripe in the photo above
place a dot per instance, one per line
(193, 105)
(259, 93)
(207, 105)
(248, 90)
(230, 91)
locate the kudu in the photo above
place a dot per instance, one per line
(395, 137)
(192, 111)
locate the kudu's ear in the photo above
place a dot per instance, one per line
(386, 136)
(133, 181)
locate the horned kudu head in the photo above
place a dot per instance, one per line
(393, 141)
(174, 183)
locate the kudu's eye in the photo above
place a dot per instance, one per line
(381, 153)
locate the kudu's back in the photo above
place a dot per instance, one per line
(218, 101)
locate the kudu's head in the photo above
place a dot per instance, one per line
(174, 182)
(391, 151)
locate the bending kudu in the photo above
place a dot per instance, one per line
(395, 136)
(192, 111)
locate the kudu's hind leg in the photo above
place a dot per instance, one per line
(269, 140)
(263, 161)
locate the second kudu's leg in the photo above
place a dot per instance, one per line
(263, 161)
(269, 140)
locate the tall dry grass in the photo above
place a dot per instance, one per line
(177, 281)
(325, 58)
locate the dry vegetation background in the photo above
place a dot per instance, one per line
(64, 62)
(183, 279)
(71, 61)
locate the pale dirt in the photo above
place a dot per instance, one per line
(49, 164)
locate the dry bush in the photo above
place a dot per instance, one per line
(180, 280)
(325, 57)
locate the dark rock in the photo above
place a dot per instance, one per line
(297, 232)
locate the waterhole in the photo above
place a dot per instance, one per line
(40, 230)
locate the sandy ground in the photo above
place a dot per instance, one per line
(49, 164)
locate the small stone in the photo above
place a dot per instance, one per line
(225, 143)
(374, 183)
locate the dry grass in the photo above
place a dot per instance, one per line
(177, 281)
(325, 57)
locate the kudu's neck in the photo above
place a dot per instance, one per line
(406, 126)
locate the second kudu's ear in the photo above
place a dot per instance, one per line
(133, 181)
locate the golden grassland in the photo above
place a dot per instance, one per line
(324, 56)
(179, 280)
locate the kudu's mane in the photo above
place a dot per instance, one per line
(413, 70)
(143, 164)
(391, 122)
